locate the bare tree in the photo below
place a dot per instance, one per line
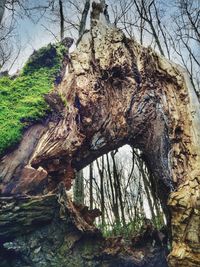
(186, 38)
(2, 9)
(148, 20)
(10, 46)
(120, 186)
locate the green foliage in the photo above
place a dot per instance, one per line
(21, 99)
(127, 231)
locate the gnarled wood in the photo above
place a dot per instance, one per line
(117, 93)
(49, 231)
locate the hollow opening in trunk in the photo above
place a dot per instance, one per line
(121, 196)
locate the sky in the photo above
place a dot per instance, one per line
(124, 155)
(33, 35)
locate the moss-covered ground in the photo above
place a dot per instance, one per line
(22, 99)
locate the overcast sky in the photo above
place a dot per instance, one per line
(33, 35)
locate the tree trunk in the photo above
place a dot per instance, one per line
(2, 9)
(78, 188)
(102, 197)
(119, 92)
(62, 20)
(118, 189)
(83, 19)
(146, 187)
(91, 186)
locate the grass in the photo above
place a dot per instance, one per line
(22, 99)
(131, 229)
(126, 231)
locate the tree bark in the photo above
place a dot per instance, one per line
(49, 231)
(62, 20)
(119, 92)
(118, 189)
(91, 186)
(78, 188)
(2, 9)
(84, 19)
(102, 193)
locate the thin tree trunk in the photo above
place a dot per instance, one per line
(2, 9)
(118, 188)
(83, 20)
(78, 188)
(149, 197)
(61, 20)
(110, 180)
(101, 175)
(116, 201)
(91, 185)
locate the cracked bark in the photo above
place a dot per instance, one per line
(119, 92)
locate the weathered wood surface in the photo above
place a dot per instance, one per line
(50, 231)
(117, 93)
(22, 215)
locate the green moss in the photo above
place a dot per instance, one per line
(21, 99)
